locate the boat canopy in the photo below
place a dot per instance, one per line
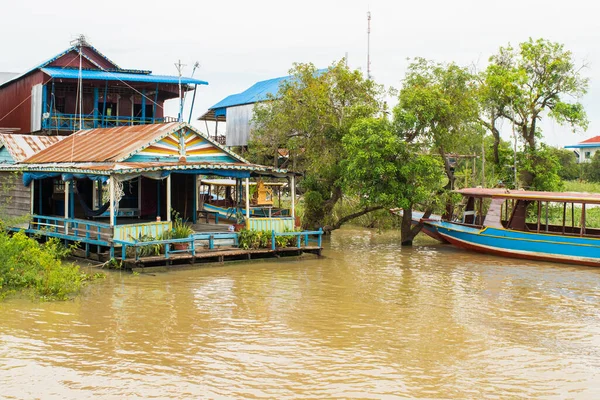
(561, 197)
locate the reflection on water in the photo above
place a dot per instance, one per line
(369, 320)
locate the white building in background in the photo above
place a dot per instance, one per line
(585, 150)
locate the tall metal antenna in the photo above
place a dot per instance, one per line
(179, 67)
(369, 44)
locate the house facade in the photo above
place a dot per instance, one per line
(81, 88)
(584, 151)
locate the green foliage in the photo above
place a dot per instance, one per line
(592, 169)
(543, 166)
(313, 112)
(569, 168)
(28, 265)
(148, 250)
(181, 229)
(533, 79)
(314, 213)
(251, 239)
(382, 169)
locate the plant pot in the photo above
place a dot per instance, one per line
(181, 246)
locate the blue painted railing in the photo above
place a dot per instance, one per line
(189, 243)
(306, 235)
(70, 122)
(75, 230)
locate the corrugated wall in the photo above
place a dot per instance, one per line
(15, 102)
(238, 125)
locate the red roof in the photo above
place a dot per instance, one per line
(595, 139)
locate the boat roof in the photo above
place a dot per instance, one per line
(569, 197)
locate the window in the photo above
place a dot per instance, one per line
(588, 154)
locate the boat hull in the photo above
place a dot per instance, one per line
(516, 244)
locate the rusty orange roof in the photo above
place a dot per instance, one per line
(21, 147)
(103, 144)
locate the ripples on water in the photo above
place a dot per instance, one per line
(370, 320)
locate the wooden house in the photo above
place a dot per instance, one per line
(104, 185)
(81, 88)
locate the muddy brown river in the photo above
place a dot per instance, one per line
(369, 320)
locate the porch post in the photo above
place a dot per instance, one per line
(111, 184)
(143, 106)
(32, 195)
(293, 194)
(154, 104)
(96, 97)
(169, 197)
(195, 206)
(247, 203)
(66, 206)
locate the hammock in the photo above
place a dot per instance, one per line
(90, 212)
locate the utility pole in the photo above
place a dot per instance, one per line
(368, 44)
(179, 67)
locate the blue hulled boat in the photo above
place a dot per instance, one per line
(523, 224)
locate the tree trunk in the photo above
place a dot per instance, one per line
(349, 217)
(407, 231)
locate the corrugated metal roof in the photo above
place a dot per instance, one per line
(21, 147)
(257, 92)
(67, 73)
(113, 144)
(133, 167)
(103, 144)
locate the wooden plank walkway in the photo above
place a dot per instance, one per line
(219, 255)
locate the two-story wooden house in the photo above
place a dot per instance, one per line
(81, 88)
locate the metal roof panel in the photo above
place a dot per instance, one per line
(21, 147)
(68, 73)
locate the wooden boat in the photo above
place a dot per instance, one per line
(416, 218)
(224, 199)
(517, 223)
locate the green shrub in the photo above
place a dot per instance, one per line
(26, 265)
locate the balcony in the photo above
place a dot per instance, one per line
(71, 122)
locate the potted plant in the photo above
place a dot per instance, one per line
(181, 230)
(240, 221)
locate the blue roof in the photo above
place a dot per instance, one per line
(66, 73)
(260, 91)
(257, 92)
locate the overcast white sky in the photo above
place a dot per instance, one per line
(240, 42)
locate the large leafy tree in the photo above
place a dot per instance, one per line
(309, 117)
(438, 108)
(526, 83)
(382, 169)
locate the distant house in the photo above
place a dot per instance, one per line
(47, 97)
(237, 110)
(585, 150)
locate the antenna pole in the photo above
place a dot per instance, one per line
(179, 67)
(368, 44)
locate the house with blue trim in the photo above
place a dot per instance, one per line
(81, 88)
(584, 151)
(100, 187)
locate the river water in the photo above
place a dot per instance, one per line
(368, 320)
